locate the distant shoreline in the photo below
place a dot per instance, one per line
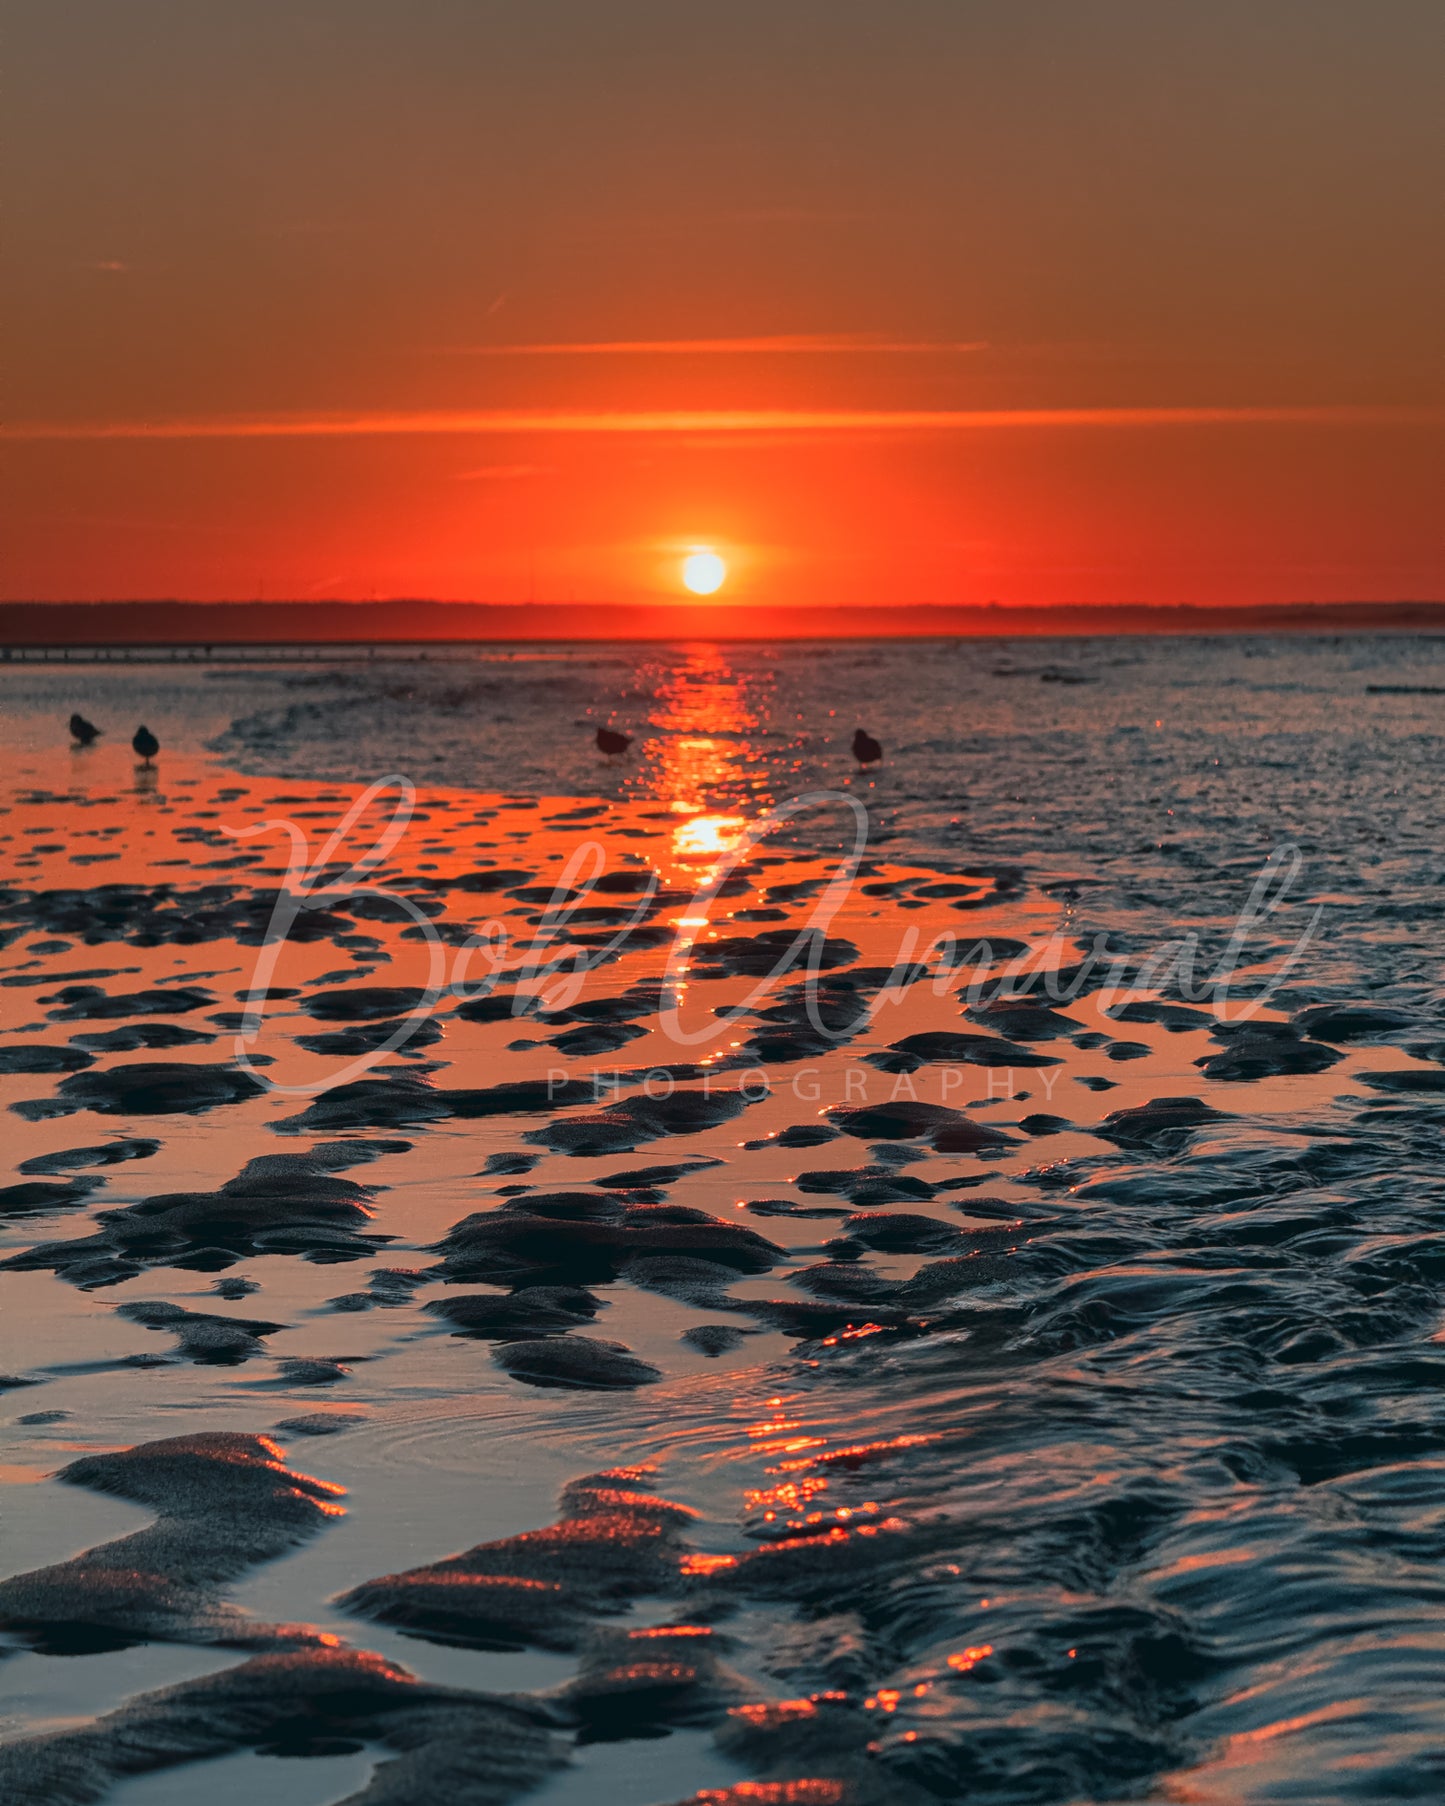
(96, 627)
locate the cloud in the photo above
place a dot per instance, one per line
(776, 344)
(486, 422)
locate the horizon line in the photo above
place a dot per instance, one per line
(700, 604)
(499, 421)
(788, 344)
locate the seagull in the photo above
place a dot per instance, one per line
(145, 743)
(82, 732)
(866, 749)
(610, 742)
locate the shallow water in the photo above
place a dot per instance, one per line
(1162, 1470)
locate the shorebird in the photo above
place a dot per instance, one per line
(610, 742)
(82, 732)
(866, 749)
(145, 743)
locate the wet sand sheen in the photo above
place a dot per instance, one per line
(1001, 1322)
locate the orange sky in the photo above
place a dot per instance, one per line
(937, 301)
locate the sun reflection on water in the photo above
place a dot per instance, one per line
(707, 836)
(701, 753)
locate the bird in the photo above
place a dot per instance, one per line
(82, 732)
(610, 742)
(145, 743)
(866, 749)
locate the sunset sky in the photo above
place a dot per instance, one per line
(931, 300)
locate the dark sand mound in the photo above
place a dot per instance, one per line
(109, 1153)
(150, 1088)
(321, 1423)
(161, 915)
(570, 1206)
(623, 1126)
(496, 1007)
(866, 1185)
(88, 1003)
(1260, 1050)
(224, 1502)
(790, 1207)
(363, 1003)
(943, 1047)
(872, 1298)
(402, 1101)
(849, 1281)
(639, 1683)
(1406, 1078)
(279, 1204)
(1177, 1018)
(818, 1569)
(37, 1198)
(577, 1362)
(681, 1276)
(1023, 1019)
(136, 1035)
(784, 1046)
(201, 1336)
(370, 1037)
(513, 1246)
(614, 1543)
(484, 882)
(811, 1019)
(532, 1311)
(36, 1056)
(596, 1038)
(808, 1320)
(1163, 1122)
(776, 950)
(314, 1370)
(1041, 1122)
(1350, 1022)
(819, 1750)
(906, 1119)
(800, 1135)
(639, 1178)
(469, 1749)
(640, 1001)
(898, 1232)
(375, 1103)
(508, 1161)
(713, 1339)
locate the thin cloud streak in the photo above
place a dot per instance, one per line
(807, 344)
(493, 421)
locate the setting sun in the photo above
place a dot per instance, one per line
(703, 573)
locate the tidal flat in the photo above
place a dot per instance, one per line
(538, 1293)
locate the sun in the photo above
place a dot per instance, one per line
(703, 573)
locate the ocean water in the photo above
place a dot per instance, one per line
(1145, 1502)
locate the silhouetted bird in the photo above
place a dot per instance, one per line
(866, 749)
(146, 744)
(610, 742)
(82, 732)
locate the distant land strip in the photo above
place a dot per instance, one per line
(403, 621)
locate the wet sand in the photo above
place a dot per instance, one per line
(683, 1374)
